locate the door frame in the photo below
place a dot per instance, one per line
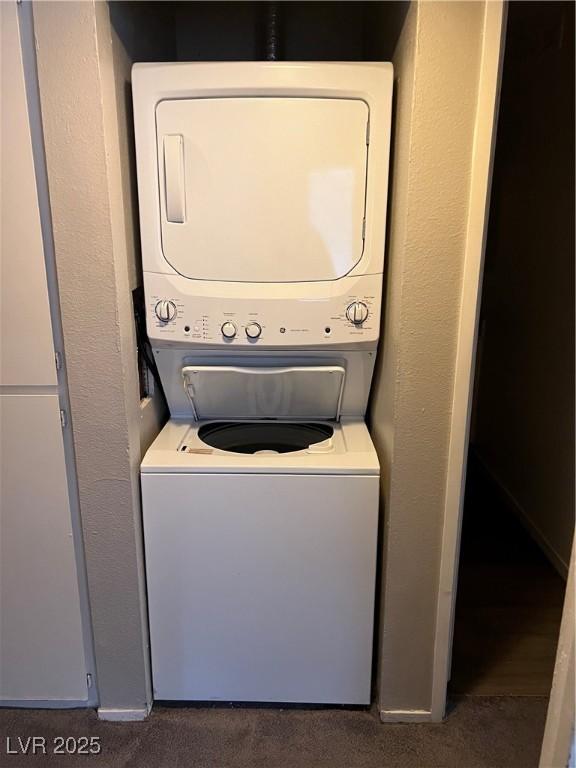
(488, 97)
(559, 743)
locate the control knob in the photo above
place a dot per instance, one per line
(253, 330)
(357, 312)
(165, 310)
(228, 330)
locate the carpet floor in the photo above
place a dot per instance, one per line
(480, 732)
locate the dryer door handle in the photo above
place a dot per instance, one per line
(174, 185)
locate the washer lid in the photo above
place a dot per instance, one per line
(262, 189)
(231, 392)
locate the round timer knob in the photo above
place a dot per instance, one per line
(253, 330)
(357, 312)
(228, 330)
(165, 310)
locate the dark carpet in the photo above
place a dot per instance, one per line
(479, 731)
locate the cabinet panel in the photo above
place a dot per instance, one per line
(41, 643)
(26, 341)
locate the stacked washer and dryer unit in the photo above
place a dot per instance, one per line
(262, 191)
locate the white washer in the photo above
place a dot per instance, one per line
(262, 191)
(261, 569)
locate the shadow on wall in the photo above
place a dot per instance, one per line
(236, 31)
(523, 422)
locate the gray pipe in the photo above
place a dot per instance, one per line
(272, 32)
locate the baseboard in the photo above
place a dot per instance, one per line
(123, 715)
(533, 530)
(46, 703)
(405, 716)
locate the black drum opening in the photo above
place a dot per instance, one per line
(252, 437)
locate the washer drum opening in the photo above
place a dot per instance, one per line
(251, 437)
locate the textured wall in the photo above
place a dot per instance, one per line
(436, 65)
(524, 420)
(96, 269)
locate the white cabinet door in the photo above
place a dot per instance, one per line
(41, 642)
(27, 348)
(262, 189)
(42, 653)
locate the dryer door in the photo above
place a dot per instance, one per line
(262, 189)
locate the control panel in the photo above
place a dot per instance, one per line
(352, 316)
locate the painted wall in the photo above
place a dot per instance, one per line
(437, 66)
(523, 428)
(85, 114)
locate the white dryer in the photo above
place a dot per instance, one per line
(262, 191)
